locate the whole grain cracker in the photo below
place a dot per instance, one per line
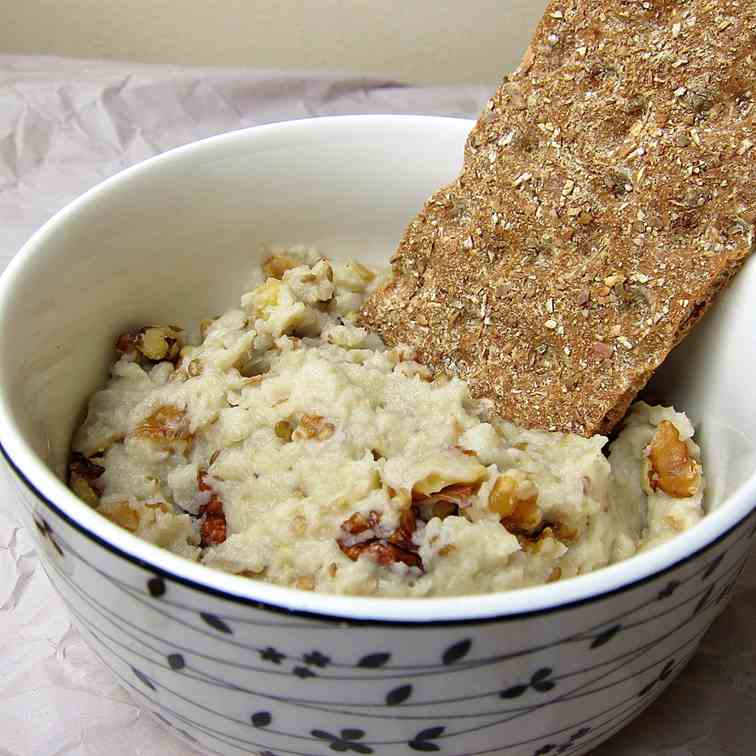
(608, 194)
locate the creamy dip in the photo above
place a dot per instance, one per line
(286, 443)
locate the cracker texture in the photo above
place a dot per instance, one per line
(608, 194)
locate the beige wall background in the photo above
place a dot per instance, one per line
(424, 41)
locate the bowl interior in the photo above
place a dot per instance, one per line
(175, 239)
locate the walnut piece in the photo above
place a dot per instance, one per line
(156, 343)
(84, 490)
(123, 515)
(213, 529)
(83, 477)
(396, 547)
(446, 502)
(167, 425)
(387, 554)
(85, 467)
(313, 427)
(450, 467)
(194, 368)
(519, 513)
(277, 265)
(283, 430)
(359, 523)
(534, 543)
(671, 467)
(205, 326)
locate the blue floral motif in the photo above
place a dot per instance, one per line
(47, 533)
(303, 673)
(345, 741)
(422, 741)
(271, 655)
(538, 682)
(663, 675)
(316, 659)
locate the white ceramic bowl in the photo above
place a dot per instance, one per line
(238, 666)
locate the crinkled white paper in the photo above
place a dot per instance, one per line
(64, 126)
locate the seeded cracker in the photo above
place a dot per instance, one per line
(608, 194)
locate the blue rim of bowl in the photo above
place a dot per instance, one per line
(355, 621)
